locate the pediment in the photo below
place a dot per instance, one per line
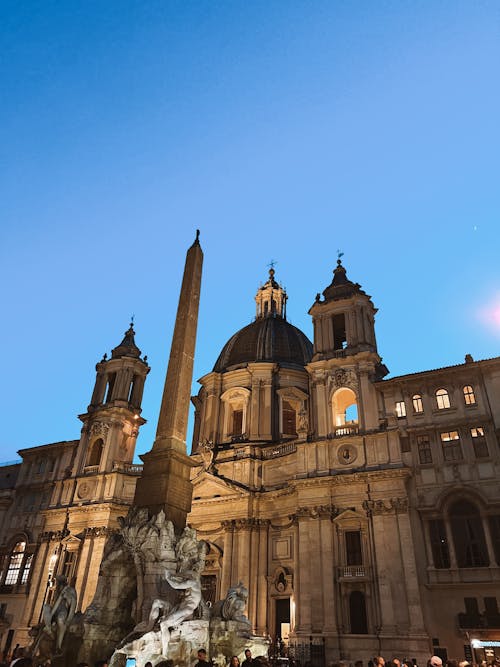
(350, 516)
(208, 486)
(71, 542)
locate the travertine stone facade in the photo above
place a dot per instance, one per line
(362, 513)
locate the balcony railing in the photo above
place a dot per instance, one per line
(345, 429)
(91, 470)
(478, 621)
(133, 468)
(279, 450)
(353, 572)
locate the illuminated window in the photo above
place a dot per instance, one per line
(479, 442)
(418, 406)
(424, 449)
(452, 451)
(442, 399)
(400, 409)
(15, 563)
(469, 396)
(26, 569)
(68, 564)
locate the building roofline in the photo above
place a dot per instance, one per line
(467, 364)
(50, 445)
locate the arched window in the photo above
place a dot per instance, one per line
(418, 406)
(469, 396)
(95, 453)
(18, 567)
(442, 399)
(468, 535)
(344, 405)
(357, 613)
(236, 402)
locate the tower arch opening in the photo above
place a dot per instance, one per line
(344, 408)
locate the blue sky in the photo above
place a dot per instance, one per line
(283, 130)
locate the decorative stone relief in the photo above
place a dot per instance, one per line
(344, 377)
(347, 454)
(389, 506)
(99, 428)
(314, 512)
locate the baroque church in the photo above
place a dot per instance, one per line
(361, 512)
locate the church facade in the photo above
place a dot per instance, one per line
(362, 513)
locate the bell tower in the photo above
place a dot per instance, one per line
(113, 418)
(345, 359)
(344, 321)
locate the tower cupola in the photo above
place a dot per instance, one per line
(120, 380)
(271, 299)
(127, 348)
(344, 320)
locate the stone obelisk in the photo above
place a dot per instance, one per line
(165, 482)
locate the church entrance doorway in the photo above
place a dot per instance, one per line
(282, 619)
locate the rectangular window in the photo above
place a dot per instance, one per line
(469, 396)
(354, 555)
(491, 606)
(68, 564)
(14, 568)
(479, 442)
(418, 406)
(237, 422)
(439, 544)
(471, 606)
(424, 449)
(289, 419)
(452, 451)
(400, 409)
(405, 444)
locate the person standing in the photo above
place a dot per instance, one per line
(248, 661)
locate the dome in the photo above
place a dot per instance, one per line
(266, 339)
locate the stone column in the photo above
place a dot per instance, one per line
(38, 589)
(85, 565)
(327, 573)
(385, 571)
(227, 559)
(409, 569)
(262, 624)
(321, 404)
(303, 603)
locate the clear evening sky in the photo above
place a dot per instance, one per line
(283, 130)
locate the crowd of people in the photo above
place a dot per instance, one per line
(19, 658)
